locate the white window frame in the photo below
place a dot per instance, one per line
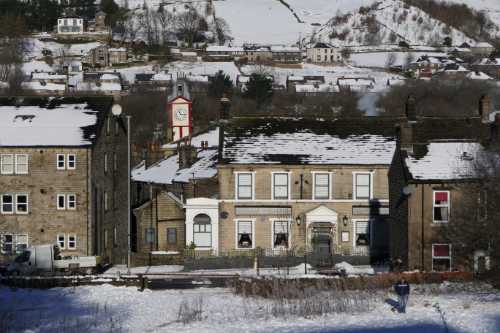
(11, 164)
(354, 233)
(17, 163)
(330, 179)
(12, 204)
(27, 204)
(68, 201)
(354, 192)
(69, 247)
(236, 232)
(441, 206)
(68, 161)
(2, 242)
(449, 257)
(289, 233)
(58, 241)
(236, 191)
(63, 167)
(63, 196)
(17, 236)
(287, 173)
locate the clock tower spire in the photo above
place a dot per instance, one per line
(179, 109)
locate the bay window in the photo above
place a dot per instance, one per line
(441, 206)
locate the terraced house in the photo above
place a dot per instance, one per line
(295, 184)
(62, 173)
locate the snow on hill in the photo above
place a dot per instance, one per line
(388, 22)
(489, 7)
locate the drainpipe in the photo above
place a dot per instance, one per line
(423, 229)
(301, 185)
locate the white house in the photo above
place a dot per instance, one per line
(324, 53)
(70, 26)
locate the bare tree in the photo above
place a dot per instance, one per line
(473, 229)
(188, 24)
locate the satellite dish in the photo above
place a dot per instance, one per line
(408, 190)
(116, 110)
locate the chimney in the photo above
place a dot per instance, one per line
(410, 108)
(485, 108)
(187, 154)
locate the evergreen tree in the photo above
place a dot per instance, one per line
(220, 84)
(259, 88)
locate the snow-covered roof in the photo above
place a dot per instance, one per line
(58, 125)
(98, 86)
(197, 78)
(212, 136)
(352, 82)
(162, 77)
(110, 77)
(478, 76)
(489, 61)
(316, 88)
(167, 170)
(119, 49)
(222, 48)
(47, 76)
(295, 78)
(483, 44)
(281, 48)
(47, 86)
(445, 161)
(302, 141)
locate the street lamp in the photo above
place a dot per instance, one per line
(117, 110)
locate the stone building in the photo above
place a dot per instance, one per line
(62, 171)
(117, 56)
(324, 53)
(187, 170)
(288, 184)
(431, 177)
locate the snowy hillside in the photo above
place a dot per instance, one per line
(287, 21)
(388, 22)
(489, 7)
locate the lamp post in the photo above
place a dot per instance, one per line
(117, 112)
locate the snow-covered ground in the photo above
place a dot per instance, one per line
(203, 68)
(331, 73)
(379, 59)
(107, 308)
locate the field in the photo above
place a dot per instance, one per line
(464, 309)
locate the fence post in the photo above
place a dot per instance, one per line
(256, 261)
(305, 262)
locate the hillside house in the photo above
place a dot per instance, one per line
(357, 84)
(286, 54)
(63, 175)
(324, 53)
(107, 83)
(490, 66)
(482, 48)
(70, 26)
(222, 52)
(293, 80)
(258, 54)
(117, 56)
(432, 176)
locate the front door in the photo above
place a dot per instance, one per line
(321, 240)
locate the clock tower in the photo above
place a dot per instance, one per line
(179, 110)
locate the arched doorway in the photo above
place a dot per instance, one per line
(202, 230)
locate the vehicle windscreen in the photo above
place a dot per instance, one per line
(23, 257)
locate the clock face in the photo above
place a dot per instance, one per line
(181, 112)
